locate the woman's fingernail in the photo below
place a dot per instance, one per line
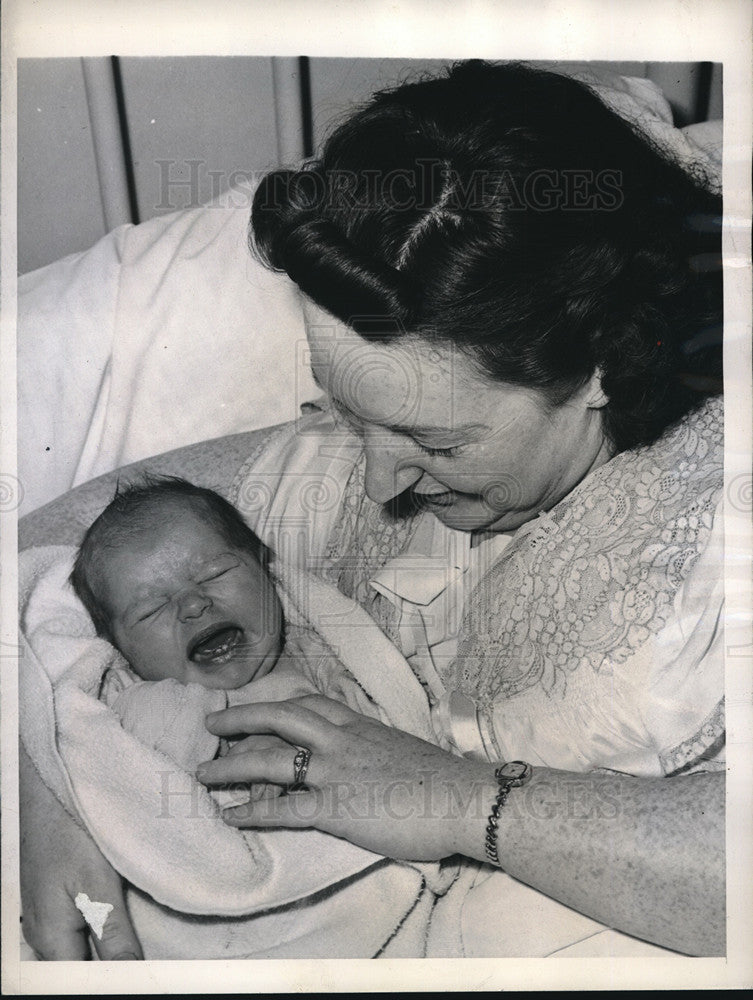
(126, 956)
(201, 772)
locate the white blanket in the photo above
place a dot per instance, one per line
(161, 829)
(203, 890)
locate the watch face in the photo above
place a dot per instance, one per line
(515, 770)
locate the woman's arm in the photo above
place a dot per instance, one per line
(645, 856)
(59, 860)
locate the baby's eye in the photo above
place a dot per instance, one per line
(206, 577)
(217, 567)
(151, 611)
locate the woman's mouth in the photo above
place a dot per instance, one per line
(215, 644)
(434, 498)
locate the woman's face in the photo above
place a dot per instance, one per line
(478, 454)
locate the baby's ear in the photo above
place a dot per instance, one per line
(595, 397)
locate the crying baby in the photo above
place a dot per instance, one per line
(176, 581)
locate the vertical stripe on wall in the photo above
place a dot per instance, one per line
(289, 110)
(109, 154)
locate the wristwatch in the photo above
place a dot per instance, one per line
(511, 775)
(514, 773)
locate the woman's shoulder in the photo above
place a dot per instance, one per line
(298, 479)
(700, 433)
(599, 577)
(702, 428)
(682, 471)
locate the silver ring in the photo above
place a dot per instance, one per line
(300, 766)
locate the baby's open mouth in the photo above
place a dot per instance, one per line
(215, 644)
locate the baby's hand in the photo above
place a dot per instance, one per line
(238, 795)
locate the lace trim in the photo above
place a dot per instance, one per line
(584, 588)
(592, 582)
(697, 749)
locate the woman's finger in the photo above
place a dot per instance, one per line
(272, 765)
(292, 722)
(334, 711)
(59, 860)
(258, 792)
(252, 744)
(118, 940)
(296, 812)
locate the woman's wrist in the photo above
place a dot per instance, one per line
(492, 808)
(468, 805)
(513, 774)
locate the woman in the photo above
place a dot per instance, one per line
(509, 294)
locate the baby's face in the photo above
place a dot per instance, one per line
(185, 604)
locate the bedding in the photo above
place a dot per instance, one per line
(162, 335)
(169, 332)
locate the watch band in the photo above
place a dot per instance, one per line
(511, 775)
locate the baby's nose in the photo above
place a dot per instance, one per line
(193, 604)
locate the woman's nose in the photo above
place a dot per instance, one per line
(388, 469)
(193, 604)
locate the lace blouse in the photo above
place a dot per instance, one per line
(591, 638)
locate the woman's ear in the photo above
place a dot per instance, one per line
(594, 395)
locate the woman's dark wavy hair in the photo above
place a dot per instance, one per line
(508, 211)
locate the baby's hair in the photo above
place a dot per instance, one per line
(132, 509)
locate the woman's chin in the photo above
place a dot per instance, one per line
(472, 517)
(454, 516)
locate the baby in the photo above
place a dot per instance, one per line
(174, 578)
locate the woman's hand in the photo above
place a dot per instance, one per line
(59, 860)
(375, 786)
(645, 856)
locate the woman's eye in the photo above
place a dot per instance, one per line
(350, 420)
(439, 452)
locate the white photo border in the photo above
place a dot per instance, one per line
(647, 30)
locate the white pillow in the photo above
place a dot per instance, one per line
(161, 335)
